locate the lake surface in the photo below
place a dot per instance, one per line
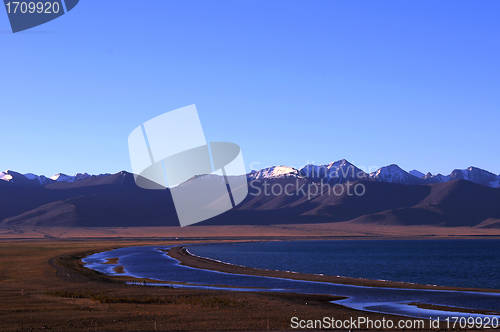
(457, 263)
(153, 263)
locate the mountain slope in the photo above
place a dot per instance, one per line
(18, 178)
(473, 174)
(395, 174)
(276, 195)
(416, 173)
(272, 173)
(119, 203)
(455, 203)
(340, 171)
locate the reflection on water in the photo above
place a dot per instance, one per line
(152, 263)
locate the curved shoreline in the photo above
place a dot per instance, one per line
(181, 254)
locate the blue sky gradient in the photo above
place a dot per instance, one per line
(414, 83)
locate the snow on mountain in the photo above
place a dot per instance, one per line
(42, 179)
(474, 174)
(5, 176)
(33, 179)
(340, 171)
(61, 177)
(337, 172)
(416, 173)
(273, 172)
(438, 178)
(15, 177)
(395, 174)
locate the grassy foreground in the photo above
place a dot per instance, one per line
(43, 286)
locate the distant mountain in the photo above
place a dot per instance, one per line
(454, 203)
(115, 200)
(273, 173)
(42, 180)
(82, 180)
(438, 178)
(473, 174)
(337, 172)
(416, 173)
(278, 194)
(18, 178)
(108, 201)
(61, 177)
(342, 171)
(495, 183)
(395, 174)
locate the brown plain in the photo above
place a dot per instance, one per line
(43, 285)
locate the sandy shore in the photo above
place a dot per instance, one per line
(181, 254)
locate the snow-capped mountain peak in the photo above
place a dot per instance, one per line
(6, 176)
(273, 172)
(42, 179)
(474, 174)
(60, 177)
(342, 171)
(15, 177)
(339, 171)
(33, 179)
(395, 174)
(336, 172)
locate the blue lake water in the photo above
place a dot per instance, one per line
(457, 263)
(153, 263)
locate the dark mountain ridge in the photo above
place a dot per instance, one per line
(116, 201)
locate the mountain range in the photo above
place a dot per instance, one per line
(337, 172)
(342, 171)
(391, 196)
(33, 179)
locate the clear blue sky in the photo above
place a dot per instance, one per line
(416, 83)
